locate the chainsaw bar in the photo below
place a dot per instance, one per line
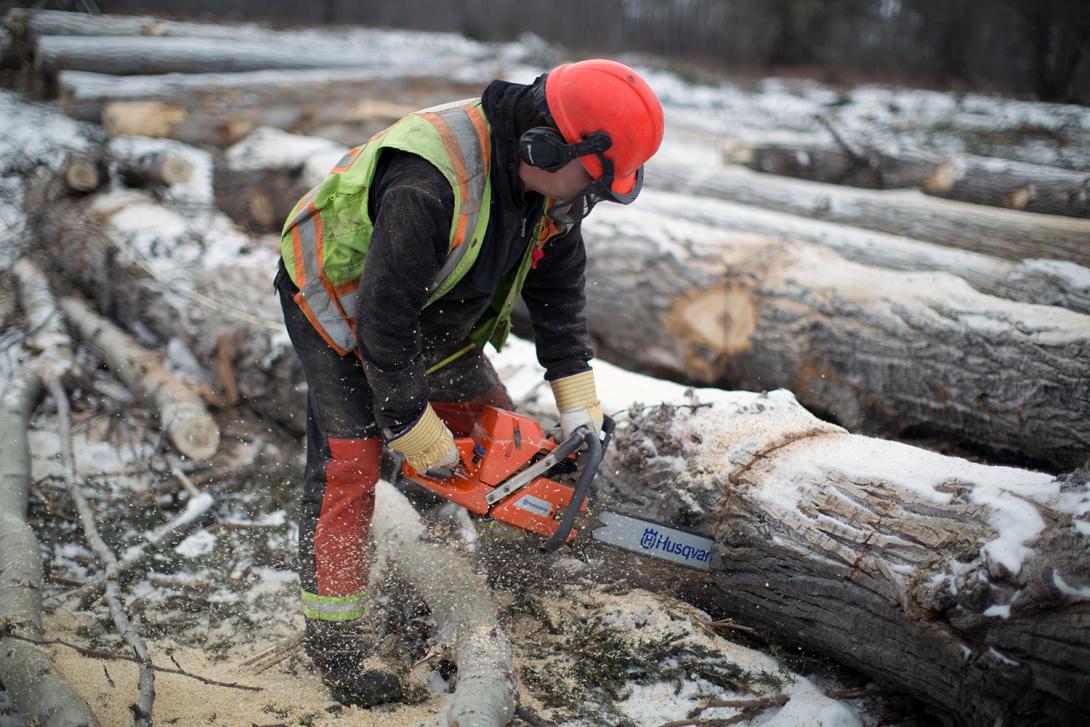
(653, 539)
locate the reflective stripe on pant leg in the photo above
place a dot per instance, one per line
(341, 558)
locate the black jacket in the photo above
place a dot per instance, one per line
(412, 204)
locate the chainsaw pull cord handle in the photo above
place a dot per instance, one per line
(596, 449)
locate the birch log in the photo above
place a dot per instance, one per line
(1045, 282)
(35, 685)
(965, 585)
(182, 415)
(882, 352)
(461, 605)
(964, 177)
(1002, 233)
(220, 108)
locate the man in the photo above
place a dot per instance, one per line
(456, 210)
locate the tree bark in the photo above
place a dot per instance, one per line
(964, 177)
(182, 415)
(882, 352)
(1045, 282)
(220, 108)
(28, 673)
(964, 585)
(461, 605)
(1002, 233)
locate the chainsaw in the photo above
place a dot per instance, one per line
(511, 471)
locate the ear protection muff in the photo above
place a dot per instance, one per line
(546, 149)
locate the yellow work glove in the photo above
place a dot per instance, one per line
(577, 402)
(428, 444)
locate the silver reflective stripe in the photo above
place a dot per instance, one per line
(315, 294)
(326, 312)
(473, 158)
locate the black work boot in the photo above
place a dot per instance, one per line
(337, 649)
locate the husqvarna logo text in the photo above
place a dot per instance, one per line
(653, 540)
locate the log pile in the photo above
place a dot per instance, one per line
(965, 177)
(887, 312)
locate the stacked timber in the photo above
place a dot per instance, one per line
(965, 177)
(206, 83)
(1003, 233)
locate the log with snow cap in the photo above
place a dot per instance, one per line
(883, 352)
(963, 584)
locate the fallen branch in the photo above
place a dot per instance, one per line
(165, 536)
(142, 709)
(30, 678)
(100, 654)
(182, 414)
(461, 604)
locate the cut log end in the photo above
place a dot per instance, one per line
(721, 320)
(142, 118)
(196, 438)
(81, 174)
(942, 179)
(176, 170)
(1017, 199)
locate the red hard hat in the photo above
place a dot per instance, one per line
(602, 95)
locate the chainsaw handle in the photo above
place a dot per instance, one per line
(596, 449)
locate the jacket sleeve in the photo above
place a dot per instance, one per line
(556, 300)
(412, 205)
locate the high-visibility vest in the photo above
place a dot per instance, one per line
(326, 237)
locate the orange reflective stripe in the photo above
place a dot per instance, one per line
(454, 150)
(346, 160)
(481, 127)
(297, 257)
(347, 287)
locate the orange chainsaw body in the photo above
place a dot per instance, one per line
(501, 445)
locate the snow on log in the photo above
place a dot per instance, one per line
(182, 415)
(1045, 282)
(264, 175)
(30, 678)
(881, 351)
(182, 273)
(461, 605)
(220, 108)
(964, 177)
(1003, 233)
(965, 585)
(47, 333)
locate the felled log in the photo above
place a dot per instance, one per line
(221, 108)
(262, 177)
(35, 685)
(142, 261)
(182, 415)
(139, 55)
(965, 585)
(883, 352)
(1045, 282)
(964, 177)
(461, 605)
(36, 23)
(1002, 233)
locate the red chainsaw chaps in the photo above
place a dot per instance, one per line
(460, 416)
(341, 557)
